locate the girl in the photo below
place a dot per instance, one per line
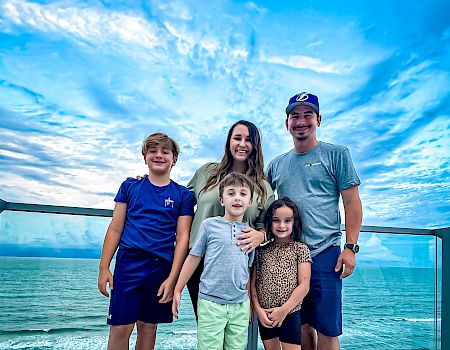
(280, 279)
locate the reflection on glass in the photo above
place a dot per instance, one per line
(389, 302)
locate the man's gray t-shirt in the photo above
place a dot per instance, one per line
(225, 275)
(314, 181)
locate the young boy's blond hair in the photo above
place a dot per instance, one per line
(158, 138)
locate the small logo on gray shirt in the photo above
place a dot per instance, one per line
(313, 164)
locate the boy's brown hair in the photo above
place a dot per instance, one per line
(158, 138)
(235, 178)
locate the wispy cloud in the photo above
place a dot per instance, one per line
(88, 24)
(310, 63)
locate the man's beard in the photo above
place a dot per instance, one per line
(301, 138)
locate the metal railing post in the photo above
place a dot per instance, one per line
(2, 205)
(444, 234)
(253, 334)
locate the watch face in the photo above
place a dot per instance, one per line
(352, 247)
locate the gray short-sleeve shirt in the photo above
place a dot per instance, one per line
(225, 275)
(314, 181)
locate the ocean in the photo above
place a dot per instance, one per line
(53, 303)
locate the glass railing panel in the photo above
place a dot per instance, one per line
(392, 300)
(48, 291)
(49, 297)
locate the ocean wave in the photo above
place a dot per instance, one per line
(189, 331)
(37, 342)
(46, 330)
(416, 319)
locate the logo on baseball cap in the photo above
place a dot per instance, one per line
(303, 98)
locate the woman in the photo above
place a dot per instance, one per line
(243, 153)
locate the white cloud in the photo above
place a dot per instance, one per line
(310, 63)
(176, 9)
(85, 23)
(374, 250)
(314, 44)
(240, 53)
(255, 7)
(16, 155)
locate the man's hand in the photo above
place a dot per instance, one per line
(276, 315)
(105, 277)
(166, 290)
(348, 259)
(249, 239)
(176, 303)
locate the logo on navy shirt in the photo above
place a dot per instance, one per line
(168, 202)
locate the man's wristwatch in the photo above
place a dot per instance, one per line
(353, 247)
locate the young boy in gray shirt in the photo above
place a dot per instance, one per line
(223, 305)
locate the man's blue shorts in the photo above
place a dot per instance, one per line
(137, 278)
(289, 332)
(322, 307)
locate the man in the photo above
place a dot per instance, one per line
(314, 175)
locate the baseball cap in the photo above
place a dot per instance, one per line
(303, 98)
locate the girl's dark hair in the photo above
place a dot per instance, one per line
(255, 163)
(297, 234)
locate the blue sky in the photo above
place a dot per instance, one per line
(82, 83)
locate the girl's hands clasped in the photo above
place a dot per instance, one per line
(276, 315)
(263, 318)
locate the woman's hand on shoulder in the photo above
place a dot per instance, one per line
(250, 239)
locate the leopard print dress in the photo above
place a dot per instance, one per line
(277, 272)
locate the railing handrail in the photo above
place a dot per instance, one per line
(68, 210)
(54, 209)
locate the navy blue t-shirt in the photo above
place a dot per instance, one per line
(152, 215)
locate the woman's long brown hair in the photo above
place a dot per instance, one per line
(255, 163)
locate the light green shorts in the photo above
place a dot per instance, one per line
(222, 326)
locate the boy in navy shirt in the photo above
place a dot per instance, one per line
(150, 225)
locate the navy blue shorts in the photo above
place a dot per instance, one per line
(137, 278)
(322, 307)
(289, 332)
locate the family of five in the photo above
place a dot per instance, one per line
(250, 256)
